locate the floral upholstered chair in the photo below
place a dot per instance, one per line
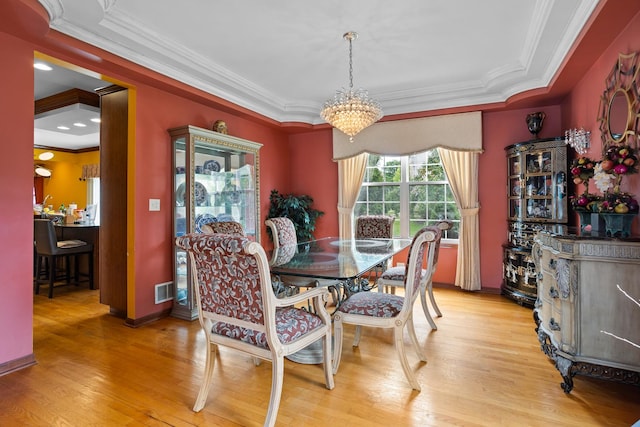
(284, 236)
(238, 309)
(394, 277)
(382, 310)
(374, 227)
(224, 227)
(283, 231)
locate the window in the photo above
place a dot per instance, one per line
(414, 189)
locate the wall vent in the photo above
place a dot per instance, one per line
(164, 292)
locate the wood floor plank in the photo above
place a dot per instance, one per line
(485, 368)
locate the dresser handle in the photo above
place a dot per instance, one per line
(553, 293)
(553, 325)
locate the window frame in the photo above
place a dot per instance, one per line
(404, 201)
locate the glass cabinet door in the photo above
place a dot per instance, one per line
(215, 179)
(536, 184)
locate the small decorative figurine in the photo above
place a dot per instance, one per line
(220, 126)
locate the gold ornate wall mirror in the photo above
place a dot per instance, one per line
(620, 104)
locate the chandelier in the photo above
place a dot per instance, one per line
(351, 111)
(579, 139)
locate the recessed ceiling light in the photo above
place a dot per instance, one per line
(42, 171)
(63, 127)
(47, 155)
(96, 120)
(80, 125)
(42, 66)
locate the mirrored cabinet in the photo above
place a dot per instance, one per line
(537, 199)
(215, 178)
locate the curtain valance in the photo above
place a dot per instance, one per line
(90, 171)
(460, 132)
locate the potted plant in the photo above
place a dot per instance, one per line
(298, 209)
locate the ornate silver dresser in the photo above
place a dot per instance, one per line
(582, 314)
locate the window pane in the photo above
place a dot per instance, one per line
(419, 180)
(435, 192)
(375, 193)
(417, 193)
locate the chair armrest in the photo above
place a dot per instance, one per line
(303, 296)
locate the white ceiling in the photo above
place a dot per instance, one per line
(284, 58)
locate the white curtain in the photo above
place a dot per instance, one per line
(461, 168)
(350, 175)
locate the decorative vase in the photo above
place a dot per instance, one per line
(592, 220)
(534, 122)
(618, 225)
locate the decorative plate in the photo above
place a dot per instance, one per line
(203, 219)
(180, 195)
(211, 166)
(201, 195)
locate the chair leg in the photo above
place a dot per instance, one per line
(337, 342)
(327, 360)
(425, 307)
(67, 268)
(277, 374)
(52, 273)
(76, 269)
(208, 378)
(91, 285)
(403, 358)
(36, 283)
(414, 339)
(357, 335)
(433, 299)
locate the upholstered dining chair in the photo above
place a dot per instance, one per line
(375, 227)
(283, 232)
(224, 227)
(49, 249)
(383, 310)
(394, 277)
(238, 309)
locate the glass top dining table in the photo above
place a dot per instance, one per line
(333, 258)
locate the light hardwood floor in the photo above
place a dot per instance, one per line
(484, 368)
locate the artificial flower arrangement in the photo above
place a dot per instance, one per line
(618, 161)
(582, 170)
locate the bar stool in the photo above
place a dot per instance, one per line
(49, 249)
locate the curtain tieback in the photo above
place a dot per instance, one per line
(469, 212)
(344, 211)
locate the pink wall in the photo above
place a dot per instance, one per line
(499, 130)
(286, 160)
(16, 181)
(316, 175)
(581, 107)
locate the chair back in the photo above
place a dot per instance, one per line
(230, 284)
(443, 225)
(283, 231)
(45, 236)
(419, 261)
(224, 227)
(374, 227)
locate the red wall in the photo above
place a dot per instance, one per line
(581, 107)
(298, 163)
(16, 180)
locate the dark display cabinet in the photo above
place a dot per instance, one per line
(537, 199)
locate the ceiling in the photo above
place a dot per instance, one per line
(283, 59)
